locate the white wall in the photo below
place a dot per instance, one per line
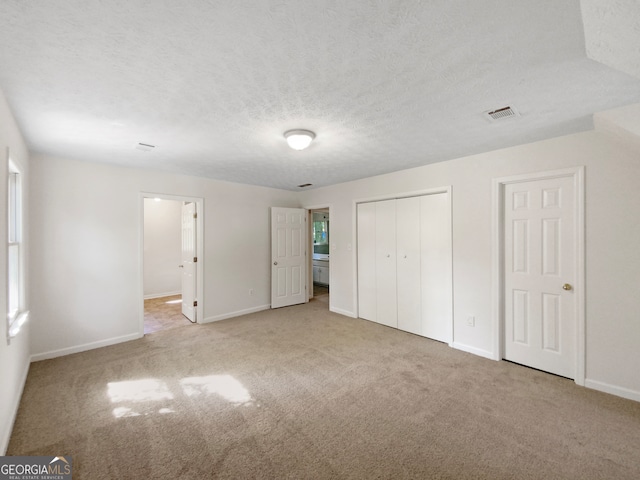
(612, 238)
(162, 247)
(85, 250)
(14, 358)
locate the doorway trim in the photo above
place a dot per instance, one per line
(497, 258)
(199, 249)
(310, 211)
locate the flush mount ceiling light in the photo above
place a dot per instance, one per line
(299, 139)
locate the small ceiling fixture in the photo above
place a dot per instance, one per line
(504, 112)
(299, 139)
(145, 147)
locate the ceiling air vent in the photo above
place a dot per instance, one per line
(502, 113)
(145, 147)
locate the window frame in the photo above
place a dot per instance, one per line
(17, 314)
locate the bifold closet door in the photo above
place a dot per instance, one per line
(408, 264)
(436, 267)
(404, 264)
(367, 303)
(385, 263)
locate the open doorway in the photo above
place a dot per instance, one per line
(171, 278)
(321, 254)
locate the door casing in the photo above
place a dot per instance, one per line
(310, 211)
(199, 248)
(497, 256)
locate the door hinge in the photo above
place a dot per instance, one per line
(195, 303)
(195, 259)
(195, 215)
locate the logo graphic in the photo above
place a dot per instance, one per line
(60, 459)
(35, 468)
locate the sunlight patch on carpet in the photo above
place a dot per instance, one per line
(224, 385)
(121, 412)
(139, 392)
(144, 390)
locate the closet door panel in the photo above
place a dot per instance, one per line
(408, 264)
(367, 303)
(436, 267)
(387, 307)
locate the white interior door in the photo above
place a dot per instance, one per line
(436, 267)
(367, 303)
(540, 265)
(189, 259)
(405, 266)
(386, 277)
(288, 256)
(408, 264)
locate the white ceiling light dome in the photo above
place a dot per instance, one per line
(299, 139)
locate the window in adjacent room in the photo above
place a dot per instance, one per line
(16, 314)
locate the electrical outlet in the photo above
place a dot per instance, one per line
(251, 291)
(471, 321)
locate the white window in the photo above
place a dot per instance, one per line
(16, 311)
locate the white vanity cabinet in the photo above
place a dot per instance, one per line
(321, 272)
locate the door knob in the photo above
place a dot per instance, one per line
(566, 286)
(275, 263)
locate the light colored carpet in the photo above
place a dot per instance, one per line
(164, 313)
(302, 393)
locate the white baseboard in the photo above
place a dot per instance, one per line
(346, 313)
(476, 351)
(82, 348)
(6, 436)
(613, 389)
(160, 295)
(224, 316)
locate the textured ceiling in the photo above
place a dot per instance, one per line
(386, 85)
(612, 33)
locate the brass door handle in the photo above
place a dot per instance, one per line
(566, 286)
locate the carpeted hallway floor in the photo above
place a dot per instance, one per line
(303, 393)
(164, 313)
